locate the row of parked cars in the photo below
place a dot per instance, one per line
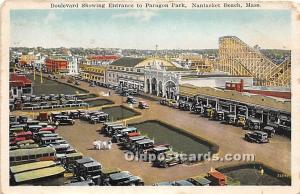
(258, 133)
(45, 102)
(87, 171)
(130, 138)
(33, 135)
(212, 178)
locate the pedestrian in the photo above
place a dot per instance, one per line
(56, 124)
(109, 93)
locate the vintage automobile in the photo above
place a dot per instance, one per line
(131, 141)
(182, 183)
(92, 84)
(230, 119)
(78, 165)
(169, 158)
(257, 124)
(206, 111)
(172, 103)
(124, 178)
(143, 105)
(199, 181)
(107, 127)
(257, 136)
(105, 173)
(269, 130)
(163, 101)
(163, 184)
(185, 106)
(90, 169)
(253, 123)
(131, 100)
(34, 128)
(216, 178)
(63, 120)
(74, 114)
(122, 135)
(141, 146)
(217, 115)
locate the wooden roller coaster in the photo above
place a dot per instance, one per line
(237, 58)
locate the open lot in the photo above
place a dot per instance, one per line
(49, 86)
(229, 138)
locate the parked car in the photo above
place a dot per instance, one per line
(124, 178)
(92, 84)
(131, 100)
(62, 119)
(216, 178)
(143, 105)
(199, 181)
(182, 183)
(257, 136)
(170, 159)
(163, 102)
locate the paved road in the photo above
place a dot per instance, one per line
(230, 139)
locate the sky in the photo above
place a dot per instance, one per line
(143, 29)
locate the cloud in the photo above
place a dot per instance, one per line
(141, 15)
(51, 17)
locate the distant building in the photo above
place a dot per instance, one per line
(196, 62)
(19, 85)
(73, 66)
(56, 65)
(27, 59)
(93, 73)
(100, 60)
(279, 92)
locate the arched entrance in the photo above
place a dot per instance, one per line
(160, 89)
(147, 86)
(170, 89)
(154, 86)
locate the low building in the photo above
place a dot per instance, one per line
(215, 80)
(19, 85)
(93, 73)
(56, 65)
(279, 92)
(27, 59)
(196, 62)
(100, 60)
(73, 66)
(130, 72)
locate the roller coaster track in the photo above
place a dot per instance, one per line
(237, 58)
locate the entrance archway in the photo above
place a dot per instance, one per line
(147, 86)
(154, 86)
(160, 89)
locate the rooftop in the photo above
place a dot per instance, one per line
(127, 61)
(27, 152)
(103, 57)
(212, 76)
(31, 166)
(37, 174)
(19, 80)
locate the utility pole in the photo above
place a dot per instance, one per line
(41, 71)
(33, 72)
(156, 46)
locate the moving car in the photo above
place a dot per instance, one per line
(257, 136)
(131, 100)
(143, 105)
